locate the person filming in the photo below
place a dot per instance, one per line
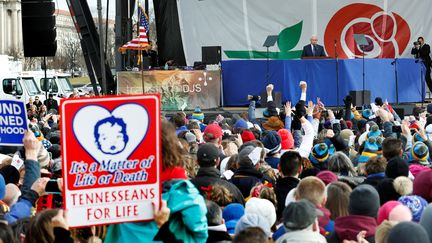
(422, 51)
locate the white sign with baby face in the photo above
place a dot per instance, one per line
(111, 159)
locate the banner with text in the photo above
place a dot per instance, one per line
(13, 122)
(179, 89)
(241, 27)
(111, 159)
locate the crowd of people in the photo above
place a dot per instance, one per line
(301, 173)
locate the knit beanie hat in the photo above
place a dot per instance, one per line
(247, 136)
(287, 139)
(370, 150)
(419, 152)
(385, 209)
(327, 176)
(198, 114)
(253, 220)
(415, 169)
(387, 191)
(233, 211)
(374, 132)
(272, 142)
(408, 232)
(320, 154)
(416, 204)
(240, 124)
(423, 185)
(396, 167)
(261, 207)
(213, 131)
(364, 201)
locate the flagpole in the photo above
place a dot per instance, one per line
(142, 69)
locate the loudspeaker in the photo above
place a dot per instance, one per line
(39, 28)
(357, 97)
(211, 54)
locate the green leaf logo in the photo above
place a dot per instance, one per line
(289, 37)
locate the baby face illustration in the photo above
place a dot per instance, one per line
(110, 135)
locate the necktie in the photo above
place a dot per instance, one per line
(313, 50)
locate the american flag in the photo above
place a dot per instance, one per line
(141, 42)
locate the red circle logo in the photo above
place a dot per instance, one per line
(387, 34)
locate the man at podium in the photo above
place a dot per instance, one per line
(313, 49)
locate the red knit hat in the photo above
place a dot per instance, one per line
(287, 139)
(327, 176)
(247, 136)
(423, 185)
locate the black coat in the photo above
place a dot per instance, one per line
(207, 176)
(245, 178)
(283, 186)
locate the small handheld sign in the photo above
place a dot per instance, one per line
(111, 159)
(13, 122)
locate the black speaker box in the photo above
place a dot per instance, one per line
(211, 54)
(39, 28)
(357, 97)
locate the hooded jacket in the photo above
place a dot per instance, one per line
(347, 228)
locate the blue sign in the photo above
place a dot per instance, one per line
(13, 122)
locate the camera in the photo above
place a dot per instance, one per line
(416, 43)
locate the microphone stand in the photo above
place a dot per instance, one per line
(363, 92)
(337, 73)
(396, 79)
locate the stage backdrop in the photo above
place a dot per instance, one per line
(241, 26)
(180, 90)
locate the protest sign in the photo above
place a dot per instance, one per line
(13, 122)
(111, 158)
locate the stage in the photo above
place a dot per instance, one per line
(243, 77)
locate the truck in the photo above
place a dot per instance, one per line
(56, 83)
(13, 86)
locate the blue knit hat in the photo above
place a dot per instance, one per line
(233, 211)
(416, 204)
(2, 187)
(374, 132)
(419, 152)
(197, 114)
(240, 124)
(272, 142)
(320, 154)
(370, 150)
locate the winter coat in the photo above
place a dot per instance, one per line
(207, 176)
(245, 178)
(347, 228)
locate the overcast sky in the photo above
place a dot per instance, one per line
(93, 7)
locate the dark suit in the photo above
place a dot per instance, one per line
(318, 51)
(424, 53)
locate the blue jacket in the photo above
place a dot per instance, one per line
(187, 221)
(22, 208)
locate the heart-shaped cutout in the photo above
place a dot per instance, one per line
(110, 136)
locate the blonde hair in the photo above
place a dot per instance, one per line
(220, 195)
(312, 189)
(383, 231)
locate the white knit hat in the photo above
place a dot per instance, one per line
(261, 207)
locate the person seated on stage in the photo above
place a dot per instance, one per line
(313, 49)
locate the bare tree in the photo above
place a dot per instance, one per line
(71, 53)
(30, 63)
